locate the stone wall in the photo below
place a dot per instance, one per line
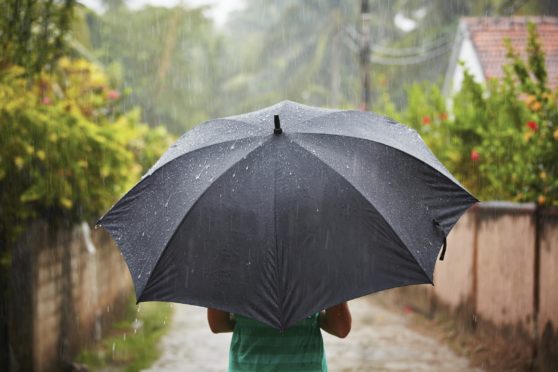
(67, 285)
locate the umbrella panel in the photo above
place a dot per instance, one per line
(277, 237)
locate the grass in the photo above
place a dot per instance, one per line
(131, 344)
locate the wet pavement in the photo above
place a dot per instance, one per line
(379, 341)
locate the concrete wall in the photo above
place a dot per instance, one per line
(67, 285)
(501, 269)
(453, 278)
(505, 267)
(548, 291)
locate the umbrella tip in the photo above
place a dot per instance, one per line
(277, 129)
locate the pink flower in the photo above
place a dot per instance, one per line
(113, 94)
(533, 125)
(475, 156)
(46, 101)
(426, 120)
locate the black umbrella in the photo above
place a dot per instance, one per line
(282, 212)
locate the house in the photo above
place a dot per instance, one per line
(480, 46)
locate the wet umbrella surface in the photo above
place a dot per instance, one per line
(277, 224)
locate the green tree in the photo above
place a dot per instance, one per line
(32, 32)
(168, 59)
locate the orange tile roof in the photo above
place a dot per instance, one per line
(488, 34)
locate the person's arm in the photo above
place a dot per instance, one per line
(219, 321)
(336, 320)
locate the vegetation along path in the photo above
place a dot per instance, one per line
(380, 341)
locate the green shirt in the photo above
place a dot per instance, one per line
(258, 347)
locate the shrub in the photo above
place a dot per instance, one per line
(66, 151)
(501, 138)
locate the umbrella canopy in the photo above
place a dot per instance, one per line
(278, 220)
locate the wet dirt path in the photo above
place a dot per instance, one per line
(379, 341)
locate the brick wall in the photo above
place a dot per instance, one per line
(67, 285)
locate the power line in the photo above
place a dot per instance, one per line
(413, 51)
(383, 55)
(411, 60)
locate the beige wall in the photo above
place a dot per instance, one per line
(501, 269)
(453, 277)
(505, 268)
(548, 292)
(63, 294)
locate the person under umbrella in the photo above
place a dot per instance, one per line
(256, 346)
(277, 214)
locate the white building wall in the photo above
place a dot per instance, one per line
(468, 56)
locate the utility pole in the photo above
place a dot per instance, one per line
(364, 54)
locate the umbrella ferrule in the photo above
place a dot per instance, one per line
(277, 129)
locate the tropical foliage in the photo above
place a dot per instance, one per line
(167, 58)
(67, 148)
(501, 139)
(66, 151)
(32, 33)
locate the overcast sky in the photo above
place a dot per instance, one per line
(219, 11)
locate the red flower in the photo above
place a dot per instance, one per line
(45, 101)
(475, 155)
(113, 94)
(533, 125)
(426, 120)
